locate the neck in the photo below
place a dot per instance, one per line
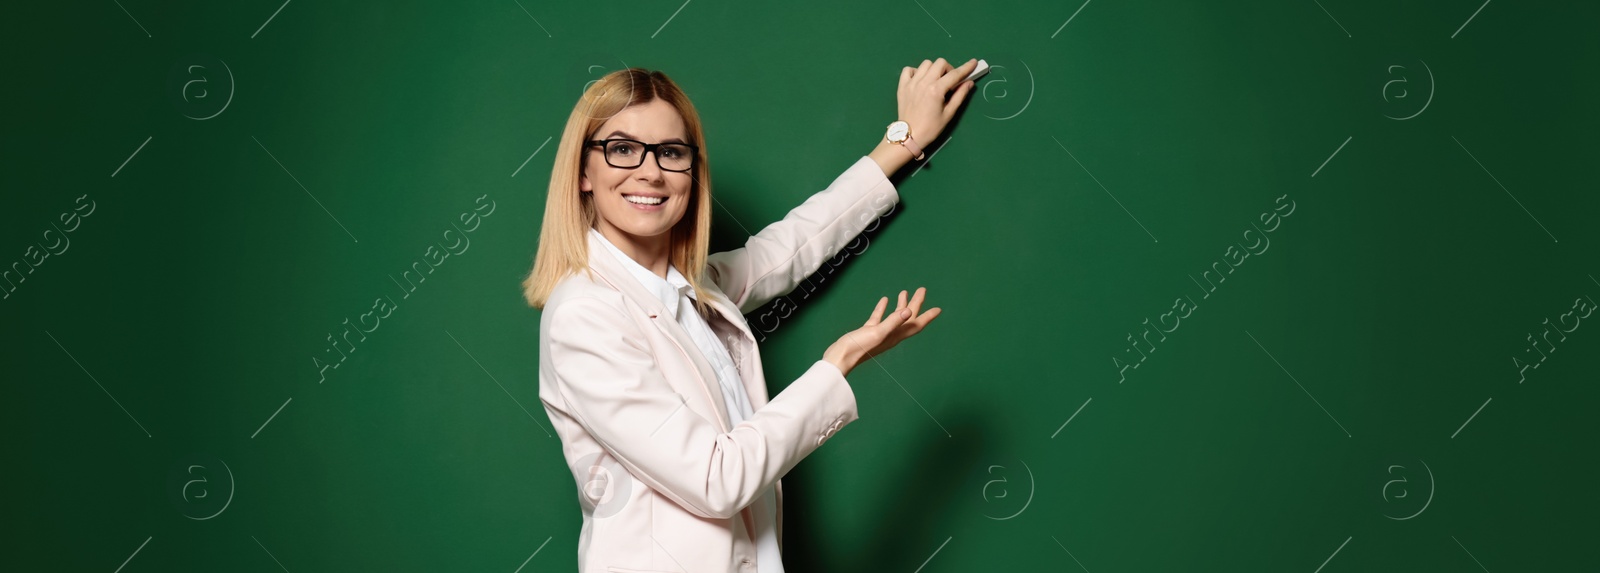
(652, 253)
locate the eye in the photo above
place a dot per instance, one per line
(673, 151)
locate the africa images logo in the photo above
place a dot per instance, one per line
(1406, 94)
(200, 86)
(604, 485)
(200, 487)
(1404, 497)
(1004, 499)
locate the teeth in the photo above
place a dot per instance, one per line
(645, 200)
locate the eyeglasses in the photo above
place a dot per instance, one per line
(629, 154)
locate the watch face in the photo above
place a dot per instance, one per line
(898, 131)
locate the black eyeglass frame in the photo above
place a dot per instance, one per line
(649, 149)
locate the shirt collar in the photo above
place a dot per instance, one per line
(670, 290)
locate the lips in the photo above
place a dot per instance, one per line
(644, 199)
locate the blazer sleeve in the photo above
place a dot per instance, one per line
(610, 383)
(774, 261)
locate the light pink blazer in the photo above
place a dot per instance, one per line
(663, 483)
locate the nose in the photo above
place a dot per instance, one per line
(649, 169)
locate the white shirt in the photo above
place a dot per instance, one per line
(676, 293)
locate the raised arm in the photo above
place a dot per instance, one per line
(776, 259)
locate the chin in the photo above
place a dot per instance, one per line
(642, 229)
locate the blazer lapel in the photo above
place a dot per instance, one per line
(752, 376)
(611, 270)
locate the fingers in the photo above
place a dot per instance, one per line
(941, 73)
(895, 319)
(906, 311)
(912, 308)
(901, 313)
(960, 96)
(956, 75)
(884, 332)
(877, 312)
(918, 319)
(885, 326)
(930, 73)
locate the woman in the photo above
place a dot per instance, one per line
(647, 368)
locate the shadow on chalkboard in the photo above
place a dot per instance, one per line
(924, 476)
(909, 510)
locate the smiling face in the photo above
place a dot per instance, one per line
(647, 227)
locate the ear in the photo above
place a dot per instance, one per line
(583, 182)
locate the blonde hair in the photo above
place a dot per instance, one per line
(570, 213)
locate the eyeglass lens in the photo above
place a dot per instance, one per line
(669, 156)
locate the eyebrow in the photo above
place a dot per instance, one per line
(630, 136)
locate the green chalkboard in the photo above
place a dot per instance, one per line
(1227, 286)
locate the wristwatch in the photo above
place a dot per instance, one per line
(900, 133)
